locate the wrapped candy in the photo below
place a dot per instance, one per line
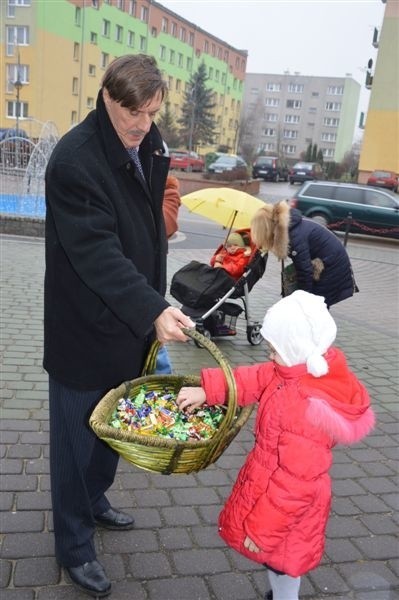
(156, 413)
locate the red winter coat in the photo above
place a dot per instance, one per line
(235, 263)
(282, 495)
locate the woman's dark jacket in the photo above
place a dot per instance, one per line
(309, 240)
(105, 255)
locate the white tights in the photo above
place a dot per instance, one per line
(284, 587)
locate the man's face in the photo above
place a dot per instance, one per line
(132, 125)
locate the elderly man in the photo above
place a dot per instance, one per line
(104, 294)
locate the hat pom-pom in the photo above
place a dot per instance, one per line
(317, 365)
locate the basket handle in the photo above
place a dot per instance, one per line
(150, 362)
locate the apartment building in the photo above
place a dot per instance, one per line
(380, 149)
(55, 53)
(283, 114)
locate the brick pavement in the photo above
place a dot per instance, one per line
(174, 552)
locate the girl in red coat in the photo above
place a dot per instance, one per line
(309, 401)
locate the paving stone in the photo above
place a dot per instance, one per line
(22, 521)
(369, 576)
(29, 544)
(5, 573)
(24, 451)
(16, 483)
(36, 572)
(207, 537)
(382, 547)
(328, 580)
(129, 541)
(180, 515)
(342, 550)
(174, 538)
(17, 594)
(200, 562)
(11, 465)
(183, 588)
(378, 523)
(232, 586)
(152, 498)
(197, 496)
(149, 565)
(33, 501)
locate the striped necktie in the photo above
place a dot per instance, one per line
(134, 155)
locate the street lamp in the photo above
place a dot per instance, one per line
(18, 86)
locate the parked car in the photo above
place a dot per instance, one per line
(229, 163)
(270, 168)
(373, 211)
(186, 161)
(385, 179)
(305, 171)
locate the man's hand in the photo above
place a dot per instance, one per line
(169, 324)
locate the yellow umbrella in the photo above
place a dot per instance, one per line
(226, 206)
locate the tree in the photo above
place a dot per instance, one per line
(197, 121)
(167, 127)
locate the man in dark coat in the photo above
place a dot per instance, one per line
(104, 294)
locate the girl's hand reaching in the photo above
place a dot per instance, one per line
(190, 398)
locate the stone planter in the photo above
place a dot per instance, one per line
(191, 182)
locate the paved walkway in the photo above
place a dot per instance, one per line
(175, 553)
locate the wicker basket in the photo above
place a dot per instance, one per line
(166, 455)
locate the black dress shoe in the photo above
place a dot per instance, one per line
(114, 519)
(90, 578)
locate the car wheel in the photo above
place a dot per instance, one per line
(319, 218)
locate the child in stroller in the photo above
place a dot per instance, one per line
(204, 290)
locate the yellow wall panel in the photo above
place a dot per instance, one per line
(380, 148)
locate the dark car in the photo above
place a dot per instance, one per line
(385, 179)
(305, 171)
(186, 161)
(229, 163)
(371, 211)
(270, 168)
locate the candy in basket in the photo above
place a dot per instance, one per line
(138, 419)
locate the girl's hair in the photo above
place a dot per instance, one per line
(133, 80)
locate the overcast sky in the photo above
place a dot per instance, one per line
(313, 37)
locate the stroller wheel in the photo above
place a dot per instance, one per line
(206, 334)
(254, 335)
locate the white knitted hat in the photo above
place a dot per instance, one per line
(301, 330)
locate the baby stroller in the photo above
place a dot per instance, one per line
(205, 293)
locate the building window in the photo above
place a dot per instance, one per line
(270, 132)
(334, 106)
(183, 34)
(267, 146)
(289, 148)
(93, 37)
(75, 86)
(174, 29)
(178, 86)
(144, 14)
(273, 87)
(162, 52)
(210, 72)
(223, 78)
(94, 3)
(170, 82)
(76, 51)
(11, 4)
(213, 49)
(292, 119)
(328, 152)
(191, 38)
(272, 101)
(328, 137)
(106, 28)
(130, 39)
(90, 103)
(104, 60)
(172, 57)
(92, 70)
(16, 73)
(78, 16)
(132, 8)
(180, 60)
(271, 117)
(294, 104)
(295, 88)
(120, 4)
(17, 109)
(74, 117)
(330, 122)
(143, 43)
(154, 31)
(164, 25)
(290, 133)
(217, 75)
(119, 34)
(335, 90)
(206, 46)
(17, 35)
(189, 63)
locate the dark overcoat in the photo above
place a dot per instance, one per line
(105, 255)
(309, 240)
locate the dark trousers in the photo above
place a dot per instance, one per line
(82, 468)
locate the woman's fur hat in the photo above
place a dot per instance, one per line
(269, 228)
